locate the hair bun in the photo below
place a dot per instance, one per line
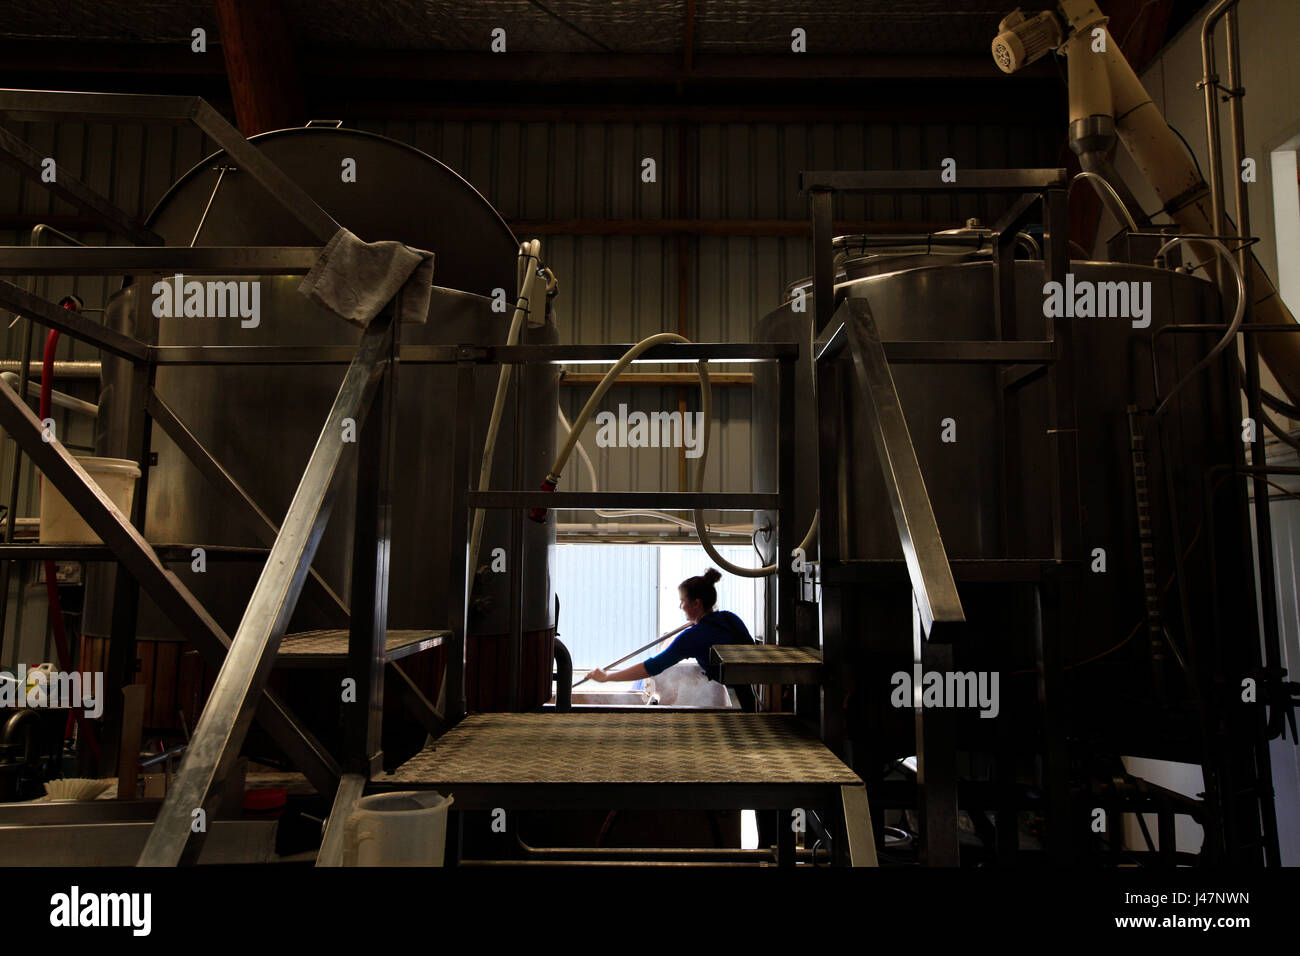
(711, 575)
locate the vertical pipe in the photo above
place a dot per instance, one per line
(515, 561)
(787, 537)
(453, 702)
(835, 666)
(1258, 455)
(1210, 89)
(368, 628)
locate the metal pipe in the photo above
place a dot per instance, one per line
(64, 369)
(1258, 452)
(1209, 86)
(1118, 207)
(563, 677)
(62, 399)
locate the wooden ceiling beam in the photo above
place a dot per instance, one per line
(257, 46)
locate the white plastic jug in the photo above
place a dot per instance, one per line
(407, 828)
(60, 524)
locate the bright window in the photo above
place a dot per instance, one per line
(616, 597)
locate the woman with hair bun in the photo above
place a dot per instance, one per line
(709, 627)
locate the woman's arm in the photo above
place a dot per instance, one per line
(635, 672)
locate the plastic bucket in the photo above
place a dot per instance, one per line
(408, 828)
(60, 524)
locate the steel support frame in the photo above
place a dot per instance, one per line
(136, 108)
(467, 498)
(220, 732)
(371, 549)
(165, 588)
(1027, 361)
(244, 664)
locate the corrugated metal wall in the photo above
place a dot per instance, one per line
(614, 288)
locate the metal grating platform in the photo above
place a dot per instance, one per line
(626, 748)
(767, 664)
(330, 648)
(644, 761)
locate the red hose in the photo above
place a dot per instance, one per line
(87, 731)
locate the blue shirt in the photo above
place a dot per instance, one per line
(716, 627)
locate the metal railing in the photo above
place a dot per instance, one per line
(244, 662)
(847, 335)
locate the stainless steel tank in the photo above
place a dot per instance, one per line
(1112, 369)
(261, 422)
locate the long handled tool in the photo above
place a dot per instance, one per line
(658, 640)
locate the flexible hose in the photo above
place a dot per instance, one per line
(1228, 336)
(625, 513)
(703, 532)
(706, 406)
(526, 274)
(1119, 203)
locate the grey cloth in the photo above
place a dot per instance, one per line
(356, 279)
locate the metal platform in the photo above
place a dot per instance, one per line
(767, 664)
(641, 761)
(330, 648)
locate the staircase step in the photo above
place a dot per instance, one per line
(767, 664)
(330, 648)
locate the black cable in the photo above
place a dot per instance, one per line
(1277, 430)
(1271, 400)
(1196, 162)
(1279, 406)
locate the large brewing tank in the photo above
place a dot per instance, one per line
(261, 422)
(924, 299)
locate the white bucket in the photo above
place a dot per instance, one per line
(408, 828)
(60, 524)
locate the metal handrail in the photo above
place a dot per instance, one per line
(935, 590)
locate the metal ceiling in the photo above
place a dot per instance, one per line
(624, 26)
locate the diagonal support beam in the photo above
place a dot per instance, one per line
(348, 795)
(221, 729)
(167, 591)
(21, 302)
(417, 707)
(137, 108)
(253, 161)
(254, 518)
(857, 826)
(918, 532)
(29, 162)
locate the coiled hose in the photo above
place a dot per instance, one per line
(706, 404)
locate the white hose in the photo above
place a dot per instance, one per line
(1119, 203)
(671, 518)
(706, 403)
(526, 274)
